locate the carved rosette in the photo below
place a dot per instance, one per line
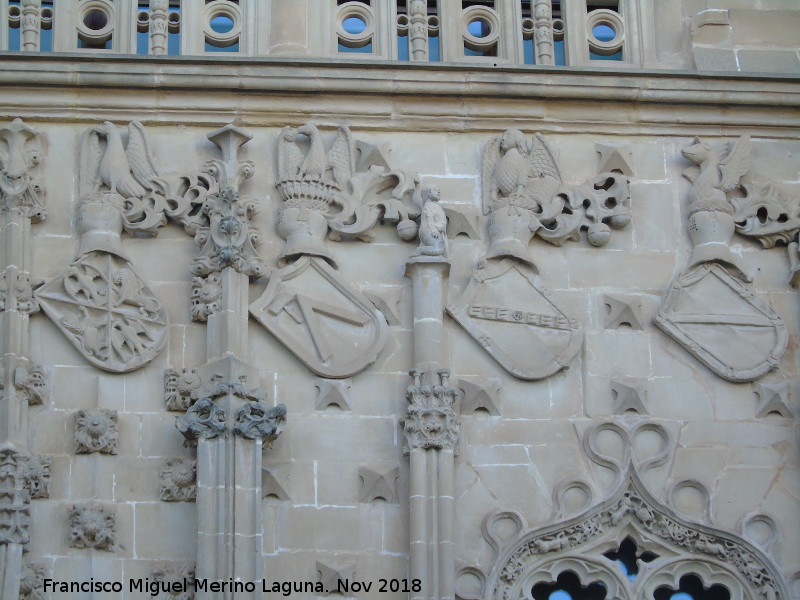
(96, 432)
(256, 420)
(431, 422)
(179, 388)
(92, 526)
(176, 576)
(15, 496)
(19, 155)
(179, 480)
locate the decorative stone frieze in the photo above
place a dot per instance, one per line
(431, 421)
(92, 526)
(178, 480)
(31, 583)
(713, 296)
(174, 576)
(19, 155)
(96, 432)
(378, 483)
(179, 387)
(15, 496)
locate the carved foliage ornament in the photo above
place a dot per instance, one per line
(30, 382)
(15, 496)
(431, 421)
(19, 155)
(712, 310)
(179, 480)
(174, 576)
(31, 583)
(340, 189)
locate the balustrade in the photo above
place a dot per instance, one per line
(494, 32)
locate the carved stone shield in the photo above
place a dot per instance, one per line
(332, 329)
(722, 322)
(512, 318)
(106, 311)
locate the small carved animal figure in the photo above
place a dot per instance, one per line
(88, 330)
(558, 543)
(130, 290)
(81, 282)
(709, 547)
(433, 224)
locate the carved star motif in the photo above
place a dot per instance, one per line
(388, 300)
(332, 392)
(773, 398)
(621, 311)
(331, 572)
(372, 154)
(615, 158)
(479, 394)
(275, 482)
(630, 397)
(378, 482)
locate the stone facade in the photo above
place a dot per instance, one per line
(515, 329)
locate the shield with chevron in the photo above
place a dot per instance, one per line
(332, 329)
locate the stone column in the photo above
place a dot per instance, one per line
(418, 30)
(543, 32)
(431, 430)
(31, 25)
(22, 383)
(288, 31)
(229, 421)
(159, 26)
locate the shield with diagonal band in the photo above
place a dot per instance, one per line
(508, 314)
(331, 328)
(723, 323)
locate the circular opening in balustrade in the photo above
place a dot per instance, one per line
(221, 23)
(95, 20)
(433, 22)
(174, 17)
(603, 32)
(527, 26)
(402, 22)
(14, 12)
(558, 26)
(480, 28)
(354, 24)
(143, 18)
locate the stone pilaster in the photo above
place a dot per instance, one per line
(431, 430)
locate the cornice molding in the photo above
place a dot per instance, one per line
(389, 96)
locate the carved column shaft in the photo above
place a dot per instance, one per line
(227, 328)
(159, 26)
(543, 32)
(31, 25)
(288, 32)
(431, 435)
(19, 204)
(418, 31)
